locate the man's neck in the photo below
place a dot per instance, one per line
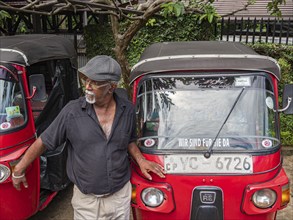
(105, 113)
(106, 104)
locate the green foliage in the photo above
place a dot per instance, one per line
(172, 9)
(273, 7)
(4, 14)
(251, 1)
(99, 40)
(174, 25)
(184, 28)
(210, 13)
(286, 129)
(284, 55)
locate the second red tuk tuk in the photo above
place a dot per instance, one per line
(37, 78)
(208, 112)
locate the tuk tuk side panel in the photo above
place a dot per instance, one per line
(16, 205)
(19, 204)
(23, 204)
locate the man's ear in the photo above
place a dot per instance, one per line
(113, 87)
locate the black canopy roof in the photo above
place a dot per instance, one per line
(202, 56)
(33, 48)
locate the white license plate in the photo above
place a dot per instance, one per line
(217, 163)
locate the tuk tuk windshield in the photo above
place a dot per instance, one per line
(12, 102)
(187, 112)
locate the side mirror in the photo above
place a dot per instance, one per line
(37, 87)
(287, 99)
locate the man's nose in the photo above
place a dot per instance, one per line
(88, 85)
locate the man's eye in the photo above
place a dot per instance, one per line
(99, 83)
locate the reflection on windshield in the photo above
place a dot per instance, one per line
(12, 105)
(187, 113)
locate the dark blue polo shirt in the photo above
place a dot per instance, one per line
(96, 165)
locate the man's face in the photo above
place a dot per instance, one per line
(95, 91)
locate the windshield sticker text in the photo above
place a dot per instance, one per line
(203, 142)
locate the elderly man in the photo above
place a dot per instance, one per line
(101, 130)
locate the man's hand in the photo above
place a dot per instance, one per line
(18, 175)
(18, 180)
(147, 166)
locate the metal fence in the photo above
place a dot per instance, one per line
(252, 30)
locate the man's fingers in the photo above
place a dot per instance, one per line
(162, 169)
(16, 186)
(158, 169)
(17, 183)
(150, 166)
(147, 175)
(160, 172)
(25, 184)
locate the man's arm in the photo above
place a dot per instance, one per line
(145, 166)
(18, 175)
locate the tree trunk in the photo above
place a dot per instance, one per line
(120, 52)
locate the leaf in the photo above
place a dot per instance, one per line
(4, 14)
(177, 10)
(210, 18)
(151, 22)
(203, 16)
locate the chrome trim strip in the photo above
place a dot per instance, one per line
(206, 56)
(16, 51)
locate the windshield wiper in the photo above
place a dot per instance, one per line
(208, 153)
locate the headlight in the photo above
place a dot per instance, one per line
(264, 198)
(152, 197)
(4, 173)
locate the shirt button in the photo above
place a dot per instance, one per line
(110, 174)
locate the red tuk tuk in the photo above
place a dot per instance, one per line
(208, 113)
(37, 78)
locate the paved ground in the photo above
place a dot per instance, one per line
(60, 208)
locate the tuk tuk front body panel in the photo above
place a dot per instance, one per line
(181, 192)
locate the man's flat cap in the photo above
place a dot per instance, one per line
(102, 68)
